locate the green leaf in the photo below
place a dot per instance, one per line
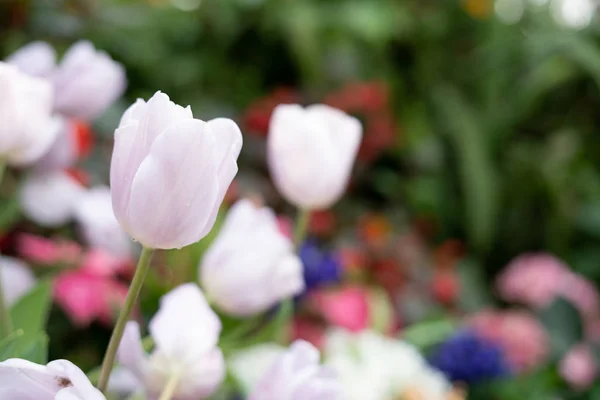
(477, 176)
(8, 345)
(427, 334)
(471, 277)
(563, 324)
(30, 314)
(37, 350)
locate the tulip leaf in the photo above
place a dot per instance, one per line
(563, 324)
(427, 334)
(37, 349)
(30, 314)
(8, 345)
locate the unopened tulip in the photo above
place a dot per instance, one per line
(87, 82)
(296, 374)
(170, 171)
(17, 278)
(100, 228)
(26, 129)
(50, 198)
(185, 332)
(311, 152)
(59, 380)
(251, 265)
(63, 152)
(35, 59)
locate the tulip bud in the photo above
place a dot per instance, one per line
(17, 279)
(185, 332)
(87, 82)
(26, 130)
(49, 199)
(251, 265)
(311, 152)
(62, 153)
(60, 379)
(296, 374)
(100, 228)
(34, 59)
(170, 172)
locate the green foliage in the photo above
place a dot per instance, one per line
(564, 325)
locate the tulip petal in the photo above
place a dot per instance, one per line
(181, 171)
(131, 353)
(185, 327)
(35, 59)
(36, 380)
(81, 388)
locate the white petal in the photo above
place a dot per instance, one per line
(35, 59)
(50, 199)
(131, 354)
(82, 388)
(177, 186)
(17, 278)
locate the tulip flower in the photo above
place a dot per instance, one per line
(311, 152)
(251, 265)
(100, 228)
(87, 82)
(34, 59)
(296, 374)
(59, 380)
(250, 364)
(186, 363)
(17, 279)
(170, 172)
(26, 129)
(50, 198)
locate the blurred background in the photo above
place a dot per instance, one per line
(480, 143)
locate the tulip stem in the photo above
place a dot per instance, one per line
(170, 388)
(301, 226)
(117, 334)
(5, 319)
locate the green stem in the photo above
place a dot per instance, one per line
(301, 226)
(170, 388)
(117, 334)
(6, 326)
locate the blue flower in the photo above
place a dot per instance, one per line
(320, 267)
(468, 358)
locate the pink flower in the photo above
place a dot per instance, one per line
(520, 335)
(578, 368)
(308, 330)
(347, 307)
(41, 250)
(92, 292)
(537, 279)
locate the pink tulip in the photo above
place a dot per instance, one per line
(522, 337)
(347, 308)
(579, 368)
(41, 250)
(92, 292)
(34, 59)
(537, 279)
(170, 172)
(311, 152)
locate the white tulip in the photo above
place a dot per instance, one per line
(26, 130)
(87, 82)
(49, 199)
(251, 265)
(311, 152)
(35, 59)
(170, 172)
(17, 278)
(185, 332)
(98, 223)
(249, 365)
(59, 380)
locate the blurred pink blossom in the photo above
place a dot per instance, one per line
(347, 307)
(41, 250)
(537, 279)
(93, 291)
(308, 330)
(578, 368)
(522, 337)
